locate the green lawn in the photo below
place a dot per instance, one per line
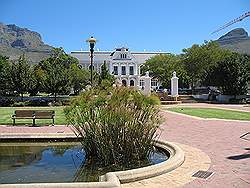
(7, 112)
(213, 113)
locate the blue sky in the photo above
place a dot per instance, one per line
(150, 25)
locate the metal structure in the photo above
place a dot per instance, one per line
(91, 42)
(233, 22)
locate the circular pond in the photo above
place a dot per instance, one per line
(56, 162)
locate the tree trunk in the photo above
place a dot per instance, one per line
(55, 97)
(22, 97)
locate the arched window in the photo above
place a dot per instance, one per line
(132, 83)
(124, 82)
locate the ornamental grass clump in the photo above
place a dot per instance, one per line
(116, 127)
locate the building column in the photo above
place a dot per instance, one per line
(127, 69)
(119, 69)
(136, 69)
(110, 68)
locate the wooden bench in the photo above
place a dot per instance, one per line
(34, 114)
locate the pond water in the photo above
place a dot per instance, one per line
(55, 162)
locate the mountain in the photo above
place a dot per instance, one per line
(236, 40)
(14, 41)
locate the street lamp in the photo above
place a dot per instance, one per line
(91, 42)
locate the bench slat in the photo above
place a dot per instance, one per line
(24, 113)
(44, 114)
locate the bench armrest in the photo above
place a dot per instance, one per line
(13, 116)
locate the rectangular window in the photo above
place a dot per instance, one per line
(123, 70)
(142, 83)
(131, 70)
(115, 72)
(154, 83)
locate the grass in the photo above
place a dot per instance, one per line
(7, 112)
(213, 113)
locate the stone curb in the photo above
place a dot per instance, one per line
(113, 179)
(175, 160)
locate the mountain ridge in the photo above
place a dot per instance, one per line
(15, 41)
(236, 40)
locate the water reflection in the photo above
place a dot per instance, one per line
(55, 162)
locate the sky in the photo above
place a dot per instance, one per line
(140, 25)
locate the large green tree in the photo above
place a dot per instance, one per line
(105, 79)
(199, 59)
(21, 76)
(5, 75)
(79, 78)
(162, 66)
(230, 74)
(56, 72)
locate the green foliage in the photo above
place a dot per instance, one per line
(230, 74)
(116, 126)
(162, 67)
(106, 80)
(5, 75)
(21, 75)
(199, 58)
(79, 78)
(105, 75)
(56, 72)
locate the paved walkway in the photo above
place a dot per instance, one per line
(22, 132)
(220, 140)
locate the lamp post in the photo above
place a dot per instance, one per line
(91, 42)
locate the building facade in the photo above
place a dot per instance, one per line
(122, 63)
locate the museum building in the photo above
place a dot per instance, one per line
(122, 63)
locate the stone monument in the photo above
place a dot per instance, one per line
(147, 84)
(174, 86)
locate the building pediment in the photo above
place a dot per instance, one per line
(121, 54)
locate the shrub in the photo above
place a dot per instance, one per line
(5, 102)
(38, 102)
(116, 127)
(21, 104)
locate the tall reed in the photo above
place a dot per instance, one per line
(116, 127)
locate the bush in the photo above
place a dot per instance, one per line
(116, 127)
(6, 102)
(21, 104)
(38, 102)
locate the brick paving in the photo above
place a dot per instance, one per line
(9, 129)
(220, 140)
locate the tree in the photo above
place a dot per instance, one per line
(5, 75)
(21, 75)
(162, 66)
(56, 78)
(79, 78)
(38, 80)
(231, 74)
(200, 58)
(106, 79)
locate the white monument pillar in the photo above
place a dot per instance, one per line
(174, 86)
(147, 84)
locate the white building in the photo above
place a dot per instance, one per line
(122, 63)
